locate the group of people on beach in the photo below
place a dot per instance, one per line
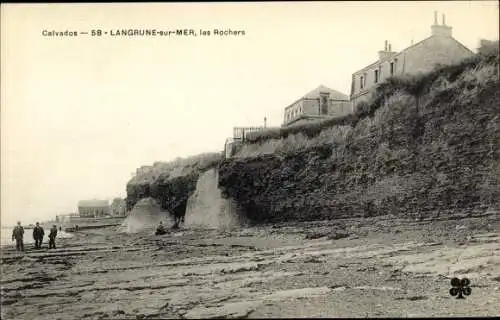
(38, 234)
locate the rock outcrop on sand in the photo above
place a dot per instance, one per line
(425, 146)
(145, 215)
(206, 208)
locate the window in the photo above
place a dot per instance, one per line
(361, 82)
(376, 76)
(393, 66)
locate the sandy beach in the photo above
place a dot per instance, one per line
(375, 267)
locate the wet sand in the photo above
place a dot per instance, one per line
(377, 267)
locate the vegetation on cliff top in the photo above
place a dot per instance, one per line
(344, 163)
(175, 168)
(425, 146)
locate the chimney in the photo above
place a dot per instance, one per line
(390, 48)
(265, 122)
(443, 21)
(386, 53)
(435, 18)
(440, 30)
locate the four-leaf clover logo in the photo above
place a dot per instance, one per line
(460, 288)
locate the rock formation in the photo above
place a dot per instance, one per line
(171, 183)
(145, 215)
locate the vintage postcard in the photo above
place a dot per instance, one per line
(250, 160)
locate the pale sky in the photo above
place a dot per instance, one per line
(80, 114)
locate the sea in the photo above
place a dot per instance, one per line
(6, 236)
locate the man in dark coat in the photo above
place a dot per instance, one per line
(38, 234)
(179, 212)
(18, 234)
(52, 237)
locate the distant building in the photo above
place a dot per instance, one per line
(438, 49)
(320, 103)
(93, 208)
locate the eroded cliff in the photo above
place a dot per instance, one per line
(170, 183)
(425, 146)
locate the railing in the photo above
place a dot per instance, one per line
(239, 133)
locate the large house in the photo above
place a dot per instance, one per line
(93, 208)
(438, 49)
(320, 103)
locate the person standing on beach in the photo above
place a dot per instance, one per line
(38, 234)
(18, 234)
(52, 237)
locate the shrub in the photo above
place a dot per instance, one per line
(309, 129)
(488, 48)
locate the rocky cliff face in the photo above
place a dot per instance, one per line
(171, 183)
(425, 146)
